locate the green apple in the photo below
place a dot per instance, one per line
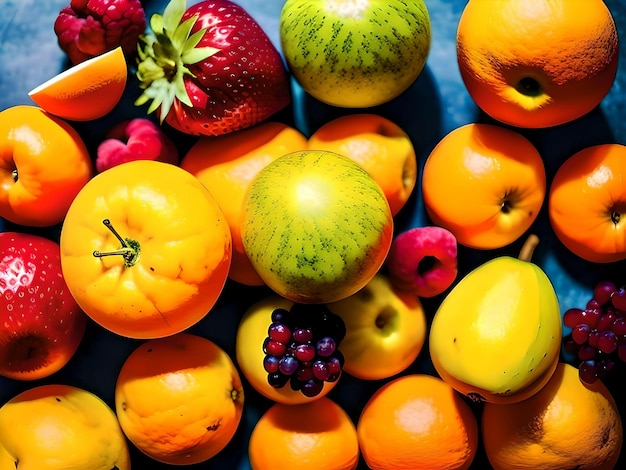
(316, 226)
(385, 330)
(355, 53)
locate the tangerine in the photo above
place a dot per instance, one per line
(567, 424)
(179, 399)
(86, 91)
(537, 63)
(415, 422)
(379, 145)
(227, 164)
(308, 436)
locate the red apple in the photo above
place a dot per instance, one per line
(42, 324)
(423, 260)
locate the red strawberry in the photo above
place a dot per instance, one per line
(210, 69)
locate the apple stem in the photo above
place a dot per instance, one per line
(527, 250)
(129, 250)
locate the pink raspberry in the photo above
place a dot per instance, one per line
(135, 139)
(87, 28)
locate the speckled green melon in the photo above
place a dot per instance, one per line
(355, 53)
(315, 226)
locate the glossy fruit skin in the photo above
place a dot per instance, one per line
(186, 423)
(587, 203)
(251, 333)
(316, 226)
(502, 47)
(86, 431)
(355, 56)
(43, 165)
(484, 183)
(184, 255)
(42, 324)
(227, 164)
(385, 330)
(539, 432)
(496, 337)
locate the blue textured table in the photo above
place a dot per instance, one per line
(433, 106)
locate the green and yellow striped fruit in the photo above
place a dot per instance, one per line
(316, 226)
(496, 337)
(355, 53)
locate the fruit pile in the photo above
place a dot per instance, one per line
(243, 243)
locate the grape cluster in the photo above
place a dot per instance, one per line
(598, 336)
(301, 348)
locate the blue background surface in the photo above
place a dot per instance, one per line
(436, 104)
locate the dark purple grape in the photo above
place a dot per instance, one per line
(588, 371)
(303, 335)
(621, 352)
(619, 328)
(279, 332)
(288, 365)
(320, 370)
(334, 369)
(270, 363)
(602, 292)
(593, 304)
(586, 352)
(275, 348)
(580, 333)
(577, 316)
(305, 372)
(326, 346)
(606, 320)
(277, 379)
(607, 342)
(281, 315)
(295, 383)
(604, 367)
(305, 352)
(618, 299)
(312, 388)
(594, 335)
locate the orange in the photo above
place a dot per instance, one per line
(380, 146)
(537, 63)
(179, 399)
(44, 163)
(251, 333)
(311, 436)
(145, 249)
(587, 203)
(485, 184)
(227, 164)
(567, 424)
(86, 91)
(417, 422)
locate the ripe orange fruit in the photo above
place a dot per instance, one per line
(567, 424)
(537, 63)
(179, 399)
(380, 146)
(39, 182)
(417, 422)
(227, 164)
(485, 184)
(251, 334)
(86, 91)
(587, 203)
(145, 249)
(309, 436)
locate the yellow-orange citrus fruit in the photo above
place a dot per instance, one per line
(485, 184)
(417, 421)
(567, 424)
(179, 399)
(537, 63)
(227, 164)
(58, 426)
(310, 436)
(380, 146)
(249, 341)
(145, 249)
(85, 91)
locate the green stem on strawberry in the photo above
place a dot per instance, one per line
(129, 251)
(164, 57)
